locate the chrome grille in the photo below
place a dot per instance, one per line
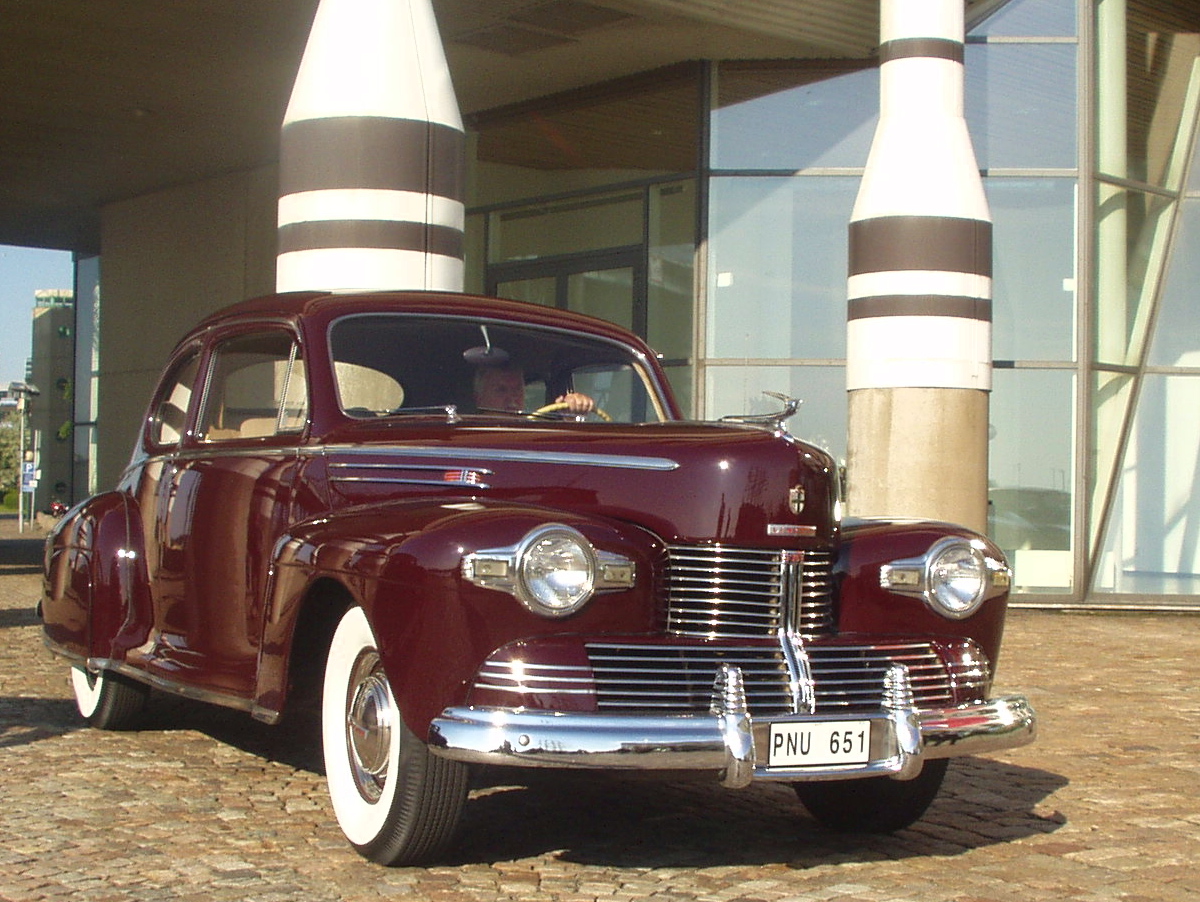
(846, 678)
(717, 592)
(850, 678)
(680, 678)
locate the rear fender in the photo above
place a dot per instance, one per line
(94, 601)
(402, 563)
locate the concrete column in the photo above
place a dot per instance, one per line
(920, 310)
(372, 155)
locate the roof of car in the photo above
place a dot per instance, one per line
(294, 305)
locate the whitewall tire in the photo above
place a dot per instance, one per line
(395, 802)
(108, 701)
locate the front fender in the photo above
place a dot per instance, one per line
(402, 564)
(865, 606)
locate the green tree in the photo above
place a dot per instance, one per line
(10, 451)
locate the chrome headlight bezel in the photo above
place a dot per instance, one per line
(954, 577)
(553, 571)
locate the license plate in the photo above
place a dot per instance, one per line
(820, 744)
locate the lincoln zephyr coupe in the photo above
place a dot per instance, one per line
(477, 532)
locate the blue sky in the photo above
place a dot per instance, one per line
(22, 272)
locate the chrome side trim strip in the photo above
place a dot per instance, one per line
(567, 458)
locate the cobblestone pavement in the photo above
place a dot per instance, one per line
(205, 804)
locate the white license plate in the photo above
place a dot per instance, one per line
(820, 744)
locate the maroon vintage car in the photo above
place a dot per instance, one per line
(331, 505)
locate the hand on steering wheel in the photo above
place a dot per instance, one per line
(563, 405)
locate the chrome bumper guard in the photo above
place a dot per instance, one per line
(727, 741)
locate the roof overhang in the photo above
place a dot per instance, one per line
(108, 101)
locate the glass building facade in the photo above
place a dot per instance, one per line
(706, 206)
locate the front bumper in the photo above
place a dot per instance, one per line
(728, 741)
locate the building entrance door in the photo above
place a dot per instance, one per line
(609, 284)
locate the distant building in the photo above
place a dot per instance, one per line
(51, 368)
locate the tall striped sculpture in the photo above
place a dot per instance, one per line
(919, 311)
(371, 155)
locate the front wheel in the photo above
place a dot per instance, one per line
(108, 701)
(395, 802)
(873, 804)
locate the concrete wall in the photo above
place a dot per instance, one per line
(168, 259)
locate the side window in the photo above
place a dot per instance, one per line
(169, 417)
(257, 389)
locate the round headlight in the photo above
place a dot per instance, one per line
(556, 569)
(957, 579)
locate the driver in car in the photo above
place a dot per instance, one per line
(503, 388)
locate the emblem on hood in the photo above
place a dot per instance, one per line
(796, 499)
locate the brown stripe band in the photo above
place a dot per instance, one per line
(372, 152)
(927, 48)
(920, 305)
(937, 243)
(369, 233)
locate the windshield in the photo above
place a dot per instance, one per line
(397, 365)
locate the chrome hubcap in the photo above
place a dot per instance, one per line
(369, 712)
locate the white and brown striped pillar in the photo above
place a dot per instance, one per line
(372, 155)
(920, 288)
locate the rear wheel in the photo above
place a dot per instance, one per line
(395, 802)
(108, 701)
(874, 804)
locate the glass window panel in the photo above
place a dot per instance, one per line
(777, 267)
(794, 116)
(1152, 545)
(256, 389)
(1111, 395)
(542, 290)
(1020, 105)
(670, 282)
(732, 390)
(1132, 233)
(604, 293)
(1148, 83)
(550, 229)
(1177, 329)
(1030, 475)
(1033, 240)
(1030, 18)
(474, 253)
(1193, 184)
(170, 413)
(680, 379)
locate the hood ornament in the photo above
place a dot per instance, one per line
(772, 421)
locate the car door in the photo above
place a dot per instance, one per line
(223, 501)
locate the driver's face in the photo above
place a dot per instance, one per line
(501, 389)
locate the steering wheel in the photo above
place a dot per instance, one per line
(563, 405)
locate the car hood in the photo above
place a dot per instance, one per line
(686, 482)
